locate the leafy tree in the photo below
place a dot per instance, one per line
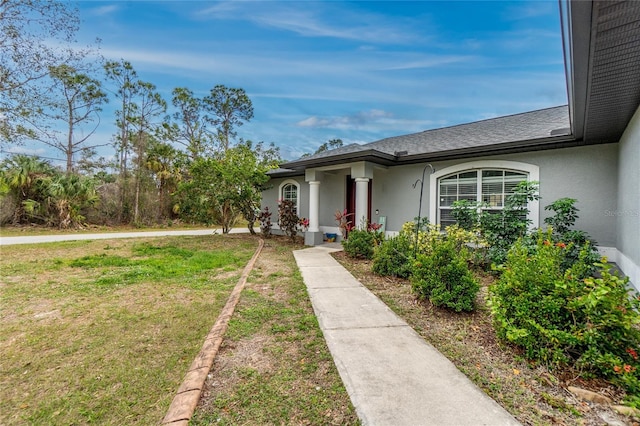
(190, 123)
(230, 108)
(77, 104)
(28, 31)
(223, 187)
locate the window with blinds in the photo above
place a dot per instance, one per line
(489, 186)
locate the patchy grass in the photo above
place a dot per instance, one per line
(531, 393)
(29, 230)
(104, 331)
(274, 366)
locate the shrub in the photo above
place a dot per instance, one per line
(265, 222)
(559, 318)
(393, 257)
(562, 222)
(288, 220)
(442, 276)
(360, 243)
(500, 229)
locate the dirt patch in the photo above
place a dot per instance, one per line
(533, 394)
(274, 366)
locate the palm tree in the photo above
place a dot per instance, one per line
(25, 179)
(70, 195)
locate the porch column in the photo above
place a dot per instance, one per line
(314, 206)
(362, 201)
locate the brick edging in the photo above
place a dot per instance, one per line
(188, 395)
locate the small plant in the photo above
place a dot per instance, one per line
(288, 220)
(565, 215)
(360, 244)
(344, 222)
(562, 223)
(443, 277)
(265, 222)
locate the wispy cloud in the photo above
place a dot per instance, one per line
(371, 120)
(104, 10)
(322, 19)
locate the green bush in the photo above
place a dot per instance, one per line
(500, 229)
(359, 244)
(443, 277)
(562, 222)
(393, 257)
(561, 319)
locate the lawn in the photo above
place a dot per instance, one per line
(104, 331)
(274, 366)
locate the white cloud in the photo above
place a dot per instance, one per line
(317, 19)
(105, 10)
(25, 150)
(371, 120)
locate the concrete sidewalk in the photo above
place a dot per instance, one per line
(36, 239)
(391, 374)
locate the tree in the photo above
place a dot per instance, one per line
(125, 79)
(190, 123)
(150, 105)
(79, 102)
(164, 161)
(35, 35)
(230, 108)
(25, 180)
(327, 146)
(221, 188)
(69, 196)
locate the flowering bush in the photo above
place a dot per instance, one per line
(559, 318)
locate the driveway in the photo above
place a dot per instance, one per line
(6, 241)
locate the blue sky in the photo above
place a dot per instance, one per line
(358, 71)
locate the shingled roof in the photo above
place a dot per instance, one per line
(513, 132)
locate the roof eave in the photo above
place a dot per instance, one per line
(504, 148)
(371, 155)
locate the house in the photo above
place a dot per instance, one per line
(588, 150)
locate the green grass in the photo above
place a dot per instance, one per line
(25, 231)
(104, 331)
(289, 376)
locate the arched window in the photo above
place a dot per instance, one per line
(489, 182)
(290, 190)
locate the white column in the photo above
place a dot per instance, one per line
(314, 206)
(362, 201)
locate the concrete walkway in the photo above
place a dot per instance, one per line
(36, 239)
(391, 374)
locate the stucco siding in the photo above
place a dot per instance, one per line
(585, 173)
(394, 196)
(332, 197)
(271, 196)
(627, 213)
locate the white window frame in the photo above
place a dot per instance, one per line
(294, 183)
(532, 171)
